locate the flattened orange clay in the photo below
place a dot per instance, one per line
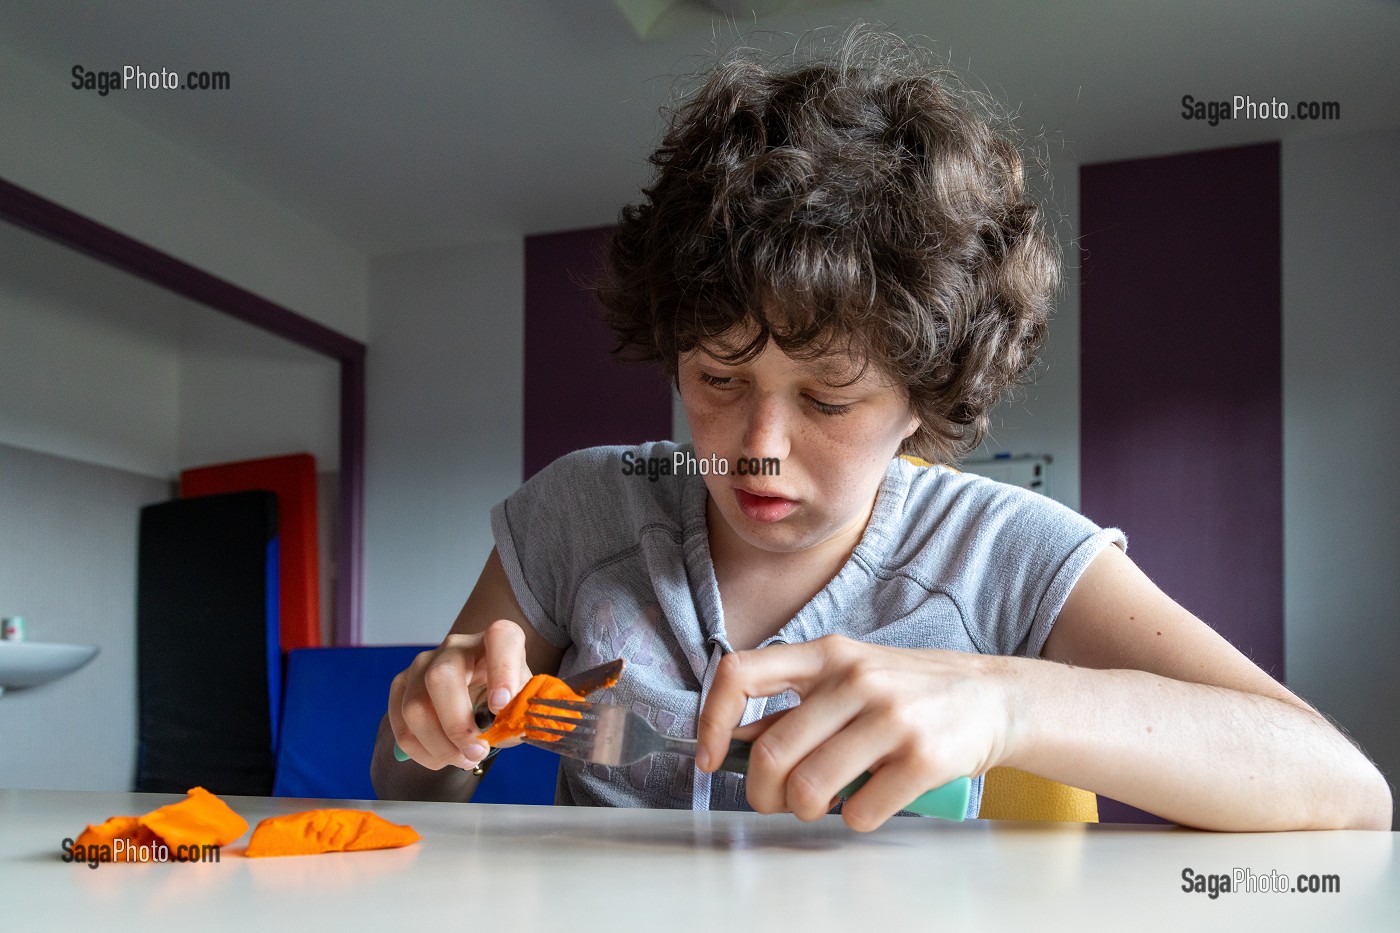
(128, 828)
(200, 819)
(313, 832)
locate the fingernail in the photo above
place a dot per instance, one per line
(499, 698)
(466, 764)
(476, 751)
(702, 759)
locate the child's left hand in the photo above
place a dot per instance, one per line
(915, 719)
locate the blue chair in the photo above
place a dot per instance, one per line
(332, 704)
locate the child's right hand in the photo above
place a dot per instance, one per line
(432, 703)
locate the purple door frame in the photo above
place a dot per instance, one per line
(48, 219)
(576, 394)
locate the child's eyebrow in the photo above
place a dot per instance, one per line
(835, 372)
(838, 374)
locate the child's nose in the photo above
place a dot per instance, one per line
(766, 433)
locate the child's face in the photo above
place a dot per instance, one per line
(832, 443)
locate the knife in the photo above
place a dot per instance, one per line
(583, 683)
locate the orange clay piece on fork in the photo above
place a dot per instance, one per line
(514, 719)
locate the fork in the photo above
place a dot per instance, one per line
(613, 736)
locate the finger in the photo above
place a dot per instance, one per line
(753, 730)
(442, 715)
(506, 670)
(789, 741)
(862, 745)
(414, 720)
(746, 674)
(892, 787)
(438, 750)
(403, 735)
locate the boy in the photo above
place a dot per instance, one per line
(839, 264)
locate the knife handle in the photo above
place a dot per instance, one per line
(484, 717)
(948, 802)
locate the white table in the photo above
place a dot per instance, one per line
(502, 868)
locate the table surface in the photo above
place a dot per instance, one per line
(485, 865)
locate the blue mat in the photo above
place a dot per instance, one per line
(332, 704)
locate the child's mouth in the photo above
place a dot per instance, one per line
(764, 509)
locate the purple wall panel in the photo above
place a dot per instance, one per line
(576, 394)
(1181, 385)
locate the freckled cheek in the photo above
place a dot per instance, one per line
(709, 428)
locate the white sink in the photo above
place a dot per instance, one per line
(30, 663)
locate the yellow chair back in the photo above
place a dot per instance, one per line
(1010, 794)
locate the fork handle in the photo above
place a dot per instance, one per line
(948, 802)
(737, 758)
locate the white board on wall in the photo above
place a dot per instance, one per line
(1029, 471)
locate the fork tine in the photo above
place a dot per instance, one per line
(562, 733)
(582, 726)
(582, 706)
(562, 748)
(568, 720)
(561, 742)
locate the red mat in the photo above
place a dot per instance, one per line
(293, 479)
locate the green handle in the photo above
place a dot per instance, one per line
(948, 801)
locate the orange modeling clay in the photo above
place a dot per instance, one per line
(312, 832)
(126, 828)
(513, 720)
(200, 819)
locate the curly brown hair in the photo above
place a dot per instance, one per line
(863, 202)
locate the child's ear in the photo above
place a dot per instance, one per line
(914, 425)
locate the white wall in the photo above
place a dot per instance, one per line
(245, 393)
(68, 565)
(1341, 395)
(74, 149)
(444, 435)
(1043, 418)
(88, 361)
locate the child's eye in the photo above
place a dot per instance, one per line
(826, 409)
(719, 382)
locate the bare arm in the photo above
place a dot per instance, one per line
(488, 654)
(1162, 712)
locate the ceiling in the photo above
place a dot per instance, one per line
(433, 123)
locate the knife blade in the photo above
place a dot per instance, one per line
(595, 678)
